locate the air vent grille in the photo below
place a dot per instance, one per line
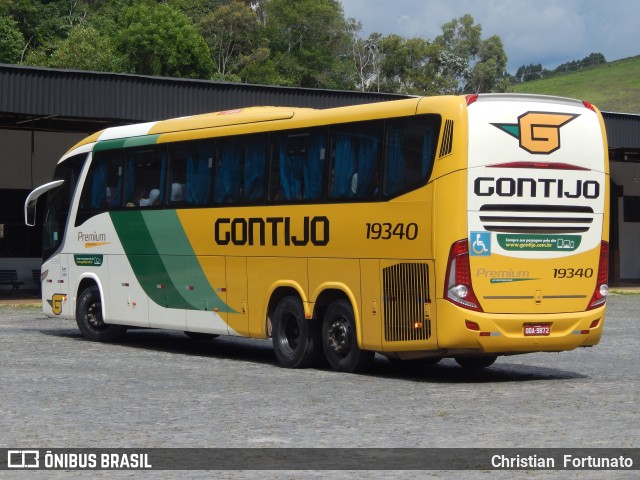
(542, 219)
(406, 291)
(446, 147)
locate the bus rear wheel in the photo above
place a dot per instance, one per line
(339, 339)
(296, 340)
(476, 363)
(90, 321)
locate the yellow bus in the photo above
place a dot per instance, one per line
(466, 227)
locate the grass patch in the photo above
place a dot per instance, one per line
(612, 87)
(21, 306)
(615, 291)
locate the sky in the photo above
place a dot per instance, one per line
(549, 32)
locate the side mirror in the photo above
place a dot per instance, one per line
(30, 212)
(32, 200)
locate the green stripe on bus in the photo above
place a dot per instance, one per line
(141, 141)
(125, 142)
(109, 145)
(169, 236)
(161, 257)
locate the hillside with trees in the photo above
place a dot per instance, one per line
(306, 43)
(301, 43)
(612, 87)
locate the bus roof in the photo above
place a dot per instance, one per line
(273, 117)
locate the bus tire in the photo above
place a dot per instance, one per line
(476, 363)
(89, 318)
(339, 339)
(296, 340)
(201, 337)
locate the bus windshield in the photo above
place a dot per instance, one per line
(58, 203)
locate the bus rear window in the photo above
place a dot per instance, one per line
(410, 150)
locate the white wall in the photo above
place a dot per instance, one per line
(628, 176)
(23, 267)
(15, 156)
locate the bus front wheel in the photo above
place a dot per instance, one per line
(339, 339)
(296, 340)
(90, 321)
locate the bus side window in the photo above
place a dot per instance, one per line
(103, 186)
(410, 152)
(228, 176)
(145, 170)
(191, 173)
(356, 161)
(255, 167)
(297, 171)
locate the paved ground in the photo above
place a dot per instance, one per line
(160, 389)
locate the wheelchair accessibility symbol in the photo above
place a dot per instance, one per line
(480, 244)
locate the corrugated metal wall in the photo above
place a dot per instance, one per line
(71, 96)
(623, 130)
(77, 94)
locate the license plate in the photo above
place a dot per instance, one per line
(537, 329)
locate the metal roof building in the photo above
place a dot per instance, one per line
(81, 101)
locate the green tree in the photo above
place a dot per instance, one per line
(41, 22)
(309, 42)
(466, 62)
(232, 33)
(161, 40)
(84, 49)
(408, 65)
(11, 41)
(489, 74)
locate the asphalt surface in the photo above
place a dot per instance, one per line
(161, 389)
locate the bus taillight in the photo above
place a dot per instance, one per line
(602, 289)
(458, 288)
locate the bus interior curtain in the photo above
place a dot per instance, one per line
(313, 168)
(130, 180)
(368, 163)
(427, 152)
(290, 172)
(227, 181)
(99, 186)
(163, 174)
(344, 166)
(394, 180)
(255, 164)
(116, 198)
(198, 176)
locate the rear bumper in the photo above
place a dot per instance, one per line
(504, 333)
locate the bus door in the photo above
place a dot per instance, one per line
(55, 287)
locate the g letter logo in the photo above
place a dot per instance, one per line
(538, 132)
(56, 302)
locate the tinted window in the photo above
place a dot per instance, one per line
(356, 152)
(298, 166)
(103, 185)
(241, 169)
(145, 169)
(191, 173)
(410, 151)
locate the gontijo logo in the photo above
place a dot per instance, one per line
(538, 132)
